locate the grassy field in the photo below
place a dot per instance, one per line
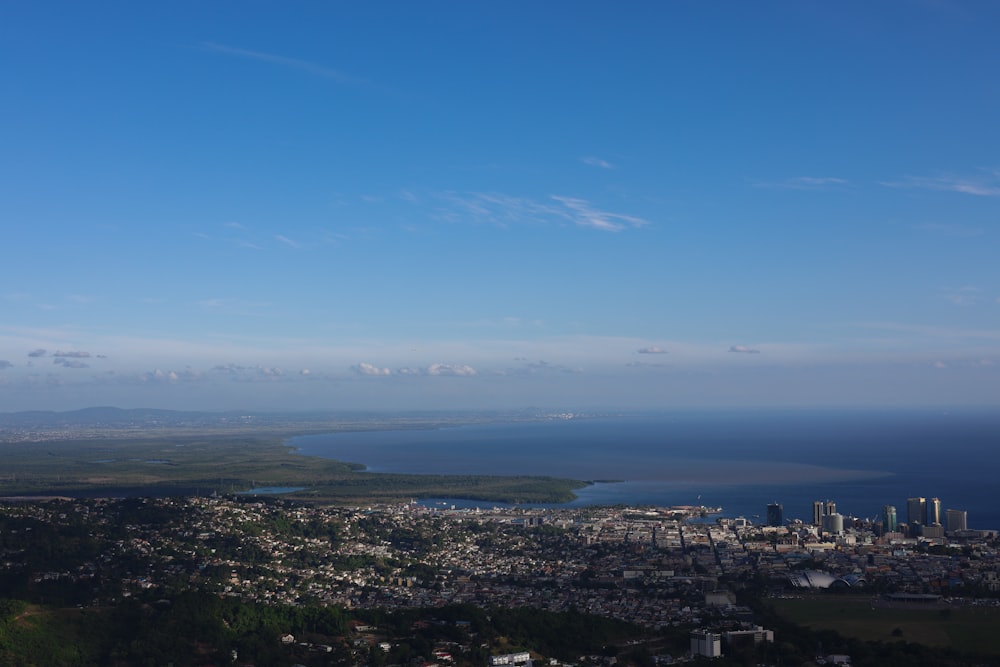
(186, 465)
(965, 629)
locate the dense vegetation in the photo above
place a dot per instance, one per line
(200, 465)
(200, 629)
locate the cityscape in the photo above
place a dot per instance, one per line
(673, 572)
(500, 334)
(924, 518)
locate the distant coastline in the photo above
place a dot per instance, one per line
(738, 460)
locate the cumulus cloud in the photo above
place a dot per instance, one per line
(541, 366)
(38, 353)
(449, 369)
(652, 349)
(305, 371)
(69, 363)
(158, 375)
(454, 370)
(72, 354)
(248, 373)
(940, 364)
(364, 368)
(5, 364)
(743, 349)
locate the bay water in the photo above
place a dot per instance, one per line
(737, 460)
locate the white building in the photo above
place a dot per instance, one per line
(522, 659)
(706, 643)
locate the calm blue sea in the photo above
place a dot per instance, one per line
(740, 461)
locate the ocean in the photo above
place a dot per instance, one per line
(738, 460)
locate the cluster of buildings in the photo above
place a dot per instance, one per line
(658, 567)
(924, 518)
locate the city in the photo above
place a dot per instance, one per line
(675, 572)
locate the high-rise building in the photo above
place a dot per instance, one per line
(934, 517)
(774, 517)
(829, 508)
(817, 512)
(833, 524)
(956, 520)
(889, 521)
(916, 511)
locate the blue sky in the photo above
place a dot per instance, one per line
(448, 205)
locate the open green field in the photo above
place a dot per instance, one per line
(203, 464)
(964, 629)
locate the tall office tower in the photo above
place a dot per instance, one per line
(830, 508)
(818, 512)
(916, 511)
(889, 522)
(934, 512)
(957, 520)
(774, 517)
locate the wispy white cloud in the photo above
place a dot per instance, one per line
(963, 296)
(295, 63)
(235, 306)
(287, 241)
(951, 229)
(652, 349)
(987, 185)
(501, 209)
(597, 162)
(930, 331)
(803, 183)
(743, 349)
(586, 215)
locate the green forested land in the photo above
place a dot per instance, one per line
(198, 629)
(190, 629)
(967, 629)
(191, 465)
